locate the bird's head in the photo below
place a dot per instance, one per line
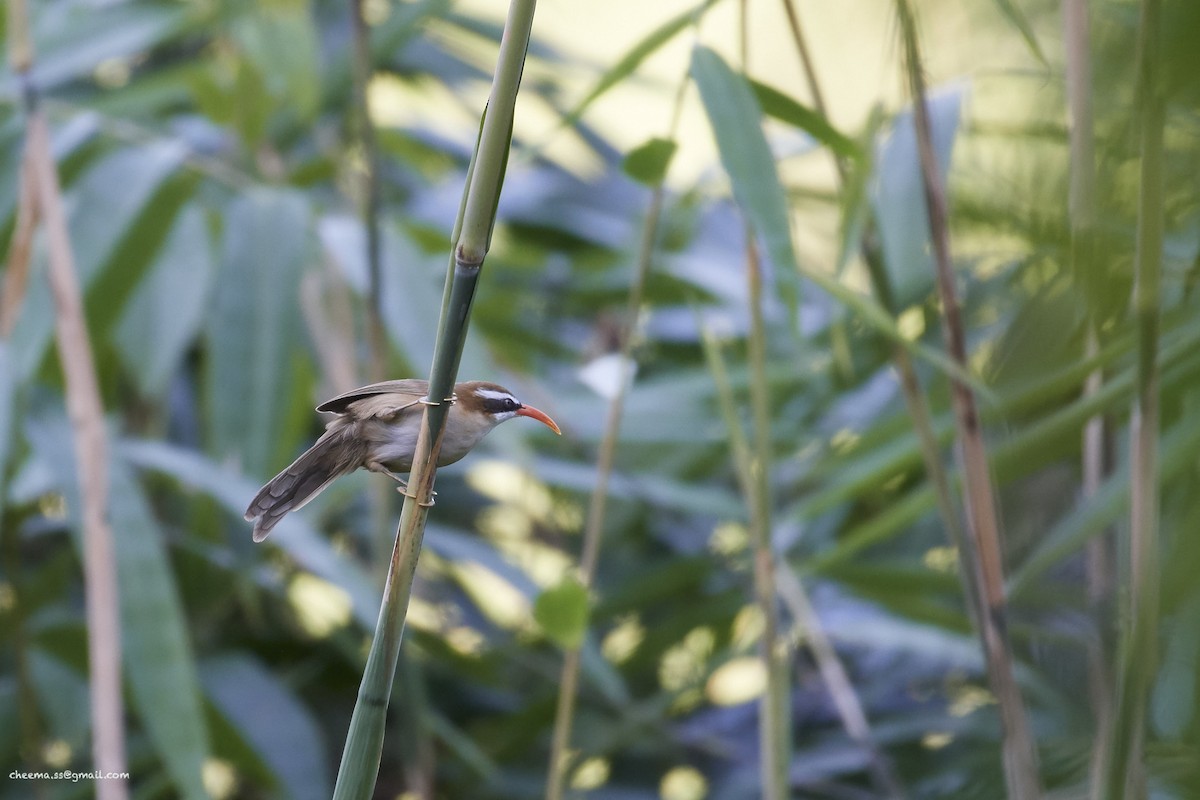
(493, 404)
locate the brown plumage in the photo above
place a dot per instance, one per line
(376, 428)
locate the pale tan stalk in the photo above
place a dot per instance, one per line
(1019, 748)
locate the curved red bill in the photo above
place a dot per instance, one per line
(533, 413)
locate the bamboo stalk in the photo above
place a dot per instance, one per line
(775, 759)
(775, 708)
(86, 413)
(1019, 749)
(1082, 212)
(910, 384)
(1126, 777)
(472, 236)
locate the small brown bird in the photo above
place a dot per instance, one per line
(376, 427)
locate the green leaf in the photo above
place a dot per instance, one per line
(783, 108)
(63, 698)
(281, 42)
(72, 45)
(1173, 702)
(1017, 17)
(293, 535)
(272, 721)
(629, 62)
(111, 206)
(737, 124)
(562, 612)
(8, 391)
(166, 311)
(254, 329)
(898, 197)
(648, 162)
(154, 635)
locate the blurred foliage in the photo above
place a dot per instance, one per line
(213, 174)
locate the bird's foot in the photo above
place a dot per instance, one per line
(375, 466)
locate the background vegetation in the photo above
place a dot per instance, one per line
(216, 174)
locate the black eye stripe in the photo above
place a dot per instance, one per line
(498, 405)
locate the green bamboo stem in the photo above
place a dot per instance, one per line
(1126, 777)
(775, 709)
(1081, 207)
(364, 742)
(1019, 749)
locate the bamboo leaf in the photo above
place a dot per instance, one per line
(736, 121)
(253, 329)
(1014, 15)
(296, 537)
(897, 196)
(157, 654)
(272, 721)
(648, 162)
(562, 611)
(110, 204)
(785, 109)
(166, 310)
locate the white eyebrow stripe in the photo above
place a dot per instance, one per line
(492, 394)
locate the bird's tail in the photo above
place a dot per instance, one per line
(329, 458)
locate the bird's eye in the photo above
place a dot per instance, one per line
(511, 405)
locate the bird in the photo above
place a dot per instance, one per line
(375, 428)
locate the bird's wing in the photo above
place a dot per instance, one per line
(384, 399)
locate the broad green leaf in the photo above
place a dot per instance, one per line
(8, 391)
(648, 162)
(1173, 702)
(166, 311)
(63, 697)
(898, 196)
(737, 125)
(154, 635)
(254, 329)
(114, 225)
(272, 721)
(562, 612)
(293, 535)
(72, 40)
(783, 108)
(281, 41)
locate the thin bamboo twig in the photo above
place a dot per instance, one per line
(910, 384)
(918, 408)
(746, 468)
(86, 413)
(471, 239)
(1082, 212)
(91, 452)
(1019, 749)
(559, 764)
(1127, 777)
(775, 708)
(833, 673)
